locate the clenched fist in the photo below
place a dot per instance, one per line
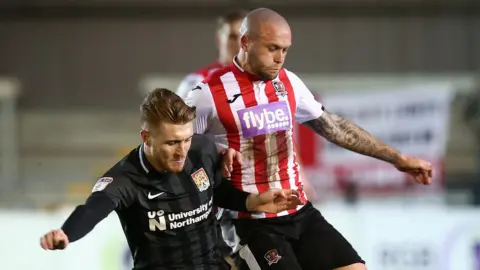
(419, 169)
(54, 239)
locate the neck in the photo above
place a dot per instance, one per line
(242, 62)
(151, 159)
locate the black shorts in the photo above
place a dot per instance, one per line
(304, 240)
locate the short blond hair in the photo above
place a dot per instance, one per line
(164, 106)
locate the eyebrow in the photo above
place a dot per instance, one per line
(278, 46)
(175, 141)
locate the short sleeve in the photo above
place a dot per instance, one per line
(188, 83)
(307, 107)
(116, 187)
(200, 97)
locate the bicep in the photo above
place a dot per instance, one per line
(329, 125)
(102, 203)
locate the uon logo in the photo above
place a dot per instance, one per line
(264, 119)
(156, 220)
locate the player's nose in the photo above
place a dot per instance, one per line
(183, 149)
(279, 57)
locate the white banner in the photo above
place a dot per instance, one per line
(387, 237)
(104, 248)
(391, 237)
(413, 119)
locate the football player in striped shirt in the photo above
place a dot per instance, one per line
(250, 106)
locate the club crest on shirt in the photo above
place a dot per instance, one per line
(272, 256)
(279, 88)
(102, 183)
(200, 178)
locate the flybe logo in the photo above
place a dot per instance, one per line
(264, 119)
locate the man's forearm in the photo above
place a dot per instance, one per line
(227, 196)
(84, 218)
(348, 135)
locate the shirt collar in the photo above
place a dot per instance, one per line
(147, 167)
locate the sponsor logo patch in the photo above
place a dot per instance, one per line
(102, 183)
(264, 119)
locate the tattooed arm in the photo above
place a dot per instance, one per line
(348, 135)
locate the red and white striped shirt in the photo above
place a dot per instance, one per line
(194, 78)
(256, 118)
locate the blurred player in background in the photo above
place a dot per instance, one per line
(227, 39)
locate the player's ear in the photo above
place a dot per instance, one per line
(145, 137)
(244, 42)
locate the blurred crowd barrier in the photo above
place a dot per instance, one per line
(387, 236)
(52, 158)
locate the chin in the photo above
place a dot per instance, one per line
(268, 76)
(176, 168)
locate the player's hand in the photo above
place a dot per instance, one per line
(420, 170)
(274, 201)
(229, 156)
(55, 239)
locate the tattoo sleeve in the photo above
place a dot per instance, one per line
(348, 135)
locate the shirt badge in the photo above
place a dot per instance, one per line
(200, 178)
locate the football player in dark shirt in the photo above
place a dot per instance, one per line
(164, 192)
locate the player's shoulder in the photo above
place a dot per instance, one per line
(294, 80)
(290, 74)
(206, 70)
(192, 78)
(215, 77)
(202, 73)
(122, 171)
(203, 91)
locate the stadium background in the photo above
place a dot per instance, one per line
(73, 74)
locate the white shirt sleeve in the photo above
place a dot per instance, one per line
(200, 97)
(188, 83)
(307, 107)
